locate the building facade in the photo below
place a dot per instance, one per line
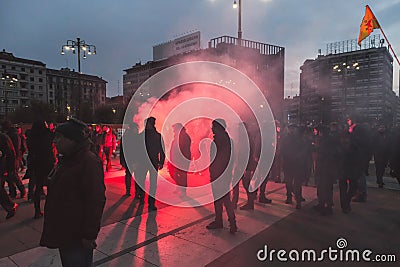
(21, 81)
(75, 94)
(291, 110)
(347, 83)
(263, 63)
(67, 91)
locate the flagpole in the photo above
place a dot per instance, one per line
(384, 35)
(390, 46)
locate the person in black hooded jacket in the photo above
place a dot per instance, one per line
(41, 156)
(221, 157)
(75, 198)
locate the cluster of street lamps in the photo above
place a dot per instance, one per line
(79, 45)
(345, 68)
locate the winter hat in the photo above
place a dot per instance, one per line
(74, 129)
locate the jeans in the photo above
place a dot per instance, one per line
(75, 256)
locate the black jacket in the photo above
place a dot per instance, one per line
(221, 152)
(154, 147)
(75, 200)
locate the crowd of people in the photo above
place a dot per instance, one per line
(335, 153)
(69, 159)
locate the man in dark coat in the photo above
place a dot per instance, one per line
(13, 178)
(76, 197)
(221, 175)
(353, 163)
(7, 158)
(294, 159)
(180, 156)
(41, 158)
(153, 160)
(381, 153)
(251, 164)
(130, 157)
(327, 167)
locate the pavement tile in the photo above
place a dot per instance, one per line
(127, 260)
(174, 251)
(158, 222)
(6, 262)
(37, 257)
(118, 236)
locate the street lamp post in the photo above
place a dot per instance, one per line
(79, 45)
(11, 79)
(239, 7)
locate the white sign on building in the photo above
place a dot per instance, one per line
(177, 46)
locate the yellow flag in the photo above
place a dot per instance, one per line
(368, 24)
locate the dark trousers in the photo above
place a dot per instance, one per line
(347, 188)
(238, 174)
(263, 187)
(76, 256)
(246, 179)
(218, 207)
(325, 192)
(5, 200)
(108, 152)
(293, 186)
(39, 183)
(31, 187)
(140, 180)
(275, 171)
(14, 181)
(380, 170)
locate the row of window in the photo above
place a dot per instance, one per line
(32, 79)
(23, 69)
(72, 81)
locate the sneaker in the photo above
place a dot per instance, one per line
(288, 201)
(12, 212)
(215, 225)
(247, 206)
(265, 200)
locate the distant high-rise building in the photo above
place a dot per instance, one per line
(263, 63)
(348, 82)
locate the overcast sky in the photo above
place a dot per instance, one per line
(124, 31)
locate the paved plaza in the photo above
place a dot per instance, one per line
(176, 236)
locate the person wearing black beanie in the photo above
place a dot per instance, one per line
(76, 197)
